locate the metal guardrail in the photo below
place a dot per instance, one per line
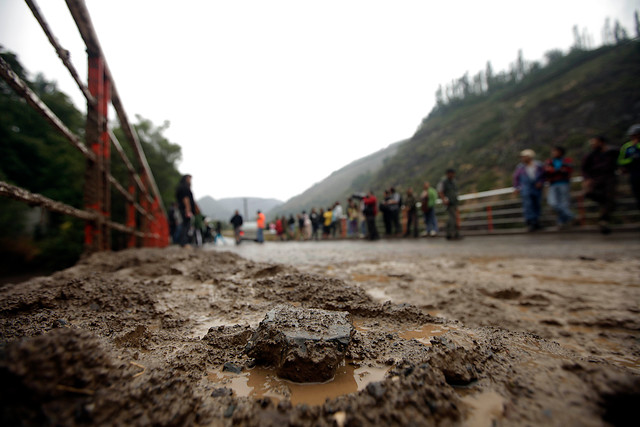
(150, 226)
(499, 211)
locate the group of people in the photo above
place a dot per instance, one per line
(599, 170)
(359, 217)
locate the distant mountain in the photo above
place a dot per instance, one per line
(223, 209)
(339, 184)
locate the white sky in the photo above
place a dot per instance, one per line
(268, 97)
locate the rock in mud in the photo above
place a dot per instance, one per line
(304, 345)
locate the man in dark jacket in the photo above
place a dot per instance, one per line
(448, 191)
(188, 208)
(599, 174)
(236, 221)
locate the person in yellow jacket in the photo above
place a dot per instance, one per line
(629, 160)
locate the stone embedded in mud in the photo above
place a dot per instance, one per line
(304, 345)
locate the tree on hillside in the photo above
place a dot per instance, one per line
(36, 157)
(619, 32)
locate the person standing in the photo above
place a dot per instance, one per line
(353, 211)
(557, 172)
(326, 226)
(336, 220)
(315, 223)
(370, 211)
(386, 214)
(599, 179)
(428, 199)
(629, 160)
(260, 222)
(412, 214)
(527, 181)
(448, 190)
(187, 207)
(393, 204)
(236, 221)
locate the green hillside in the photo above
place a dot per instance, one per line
(563, 103)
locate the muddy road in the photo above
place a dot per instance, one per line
(523, 330)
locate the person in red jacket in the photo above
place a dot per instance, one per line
(370, 212)
(557, 172)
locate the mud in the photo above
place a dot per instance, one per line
(475, 334)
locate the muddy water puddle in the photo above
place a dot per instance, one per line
(261, 382)
(423, 333)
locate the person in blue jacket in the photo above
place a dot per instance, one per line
(528, 179)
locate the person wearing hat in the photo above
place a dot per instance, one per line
(448, 191)
(629, 160)
(527, 181)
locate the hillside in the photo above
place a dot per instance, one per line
(562, 103)
(340, 184)
(223, 209)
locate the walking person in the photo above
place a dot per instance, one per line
(428, 199)
(557, 172)
(236, 221)
(527, 181)
(448, 190)
(599, 179)
(370, 211)
(629, 160)
(412, 213)
(188, 209)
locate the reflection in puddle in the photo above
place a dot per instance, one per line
(263, 382)
(486, 408)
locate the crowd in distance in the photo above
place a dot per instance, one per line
(357, 218)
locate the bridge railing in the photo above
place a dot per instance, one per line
(499, 211)
(146, 220)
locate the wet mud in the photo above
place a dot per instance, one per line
(153, 336)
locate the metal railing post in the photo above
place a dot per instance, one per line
(93, 185)
(131, 211)
(490, 218)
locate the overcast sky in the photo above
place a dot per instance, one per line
(268, 97)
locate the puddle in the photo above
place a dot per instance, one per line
(486, 408)
(369, 278)
(425, 333)
(263, 382)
